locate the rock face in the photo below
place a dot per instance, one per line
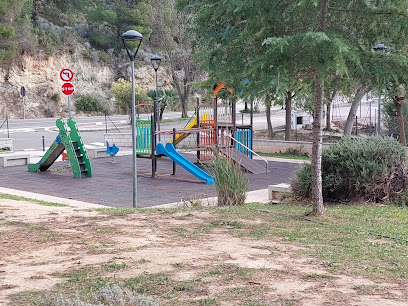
(40, 77)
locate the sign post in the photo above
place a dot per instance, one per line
(23, 93)
(67, 88)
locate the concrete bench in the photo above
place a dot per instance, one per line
(96, 152)
(275, 192)
(9, 160)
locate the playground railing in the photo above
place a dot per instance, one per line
(7, 127)
(253, 152)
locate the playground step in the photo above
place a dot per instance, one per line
(245, 161)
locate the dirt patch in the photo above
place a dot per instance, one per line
(39, 245)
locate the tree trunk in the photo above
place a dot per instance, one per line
(361, 90)
(328, 115)
(400, 119)
(184, 104)
(317, 194)
(268, 120)
(288, 116)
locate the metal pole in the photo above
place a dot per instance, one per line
(360, 107)
(8, 133)
(379, 115)
(69, 107)
(158, 107)
(43, 143)
(371, 131)
(174, 143)
(106, 124)
(134, 147)
(23, 107)
(198, 126)
(153, 140)
(296, 127)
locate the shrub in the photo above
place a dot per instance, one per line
(371, 169)
(56, 97)
(122, 91)
(87, 54)
(231, 184)
(88, 104)
(105, 57)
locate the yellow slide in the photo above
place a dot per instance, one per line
(181, 136)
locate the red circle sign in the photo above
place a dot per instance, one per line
(67, 89)
(66, 75)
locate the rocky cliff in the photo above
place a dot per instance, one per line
(40, 77)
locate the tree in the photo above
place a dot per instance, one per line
(15, 28)
(109, 19)
(170, 34)
(122, 91)
(276, 42)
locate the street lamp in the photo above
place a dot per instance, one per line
(379, 48)
(155, 60)
(133, 39)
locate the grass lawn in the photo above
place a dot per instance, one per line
(192, 257)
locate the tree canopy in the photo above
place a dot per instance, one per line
(276, 42)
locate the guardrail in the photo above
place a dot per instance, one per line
(253, 152)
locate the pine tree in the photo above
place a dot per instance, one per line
(275, 42)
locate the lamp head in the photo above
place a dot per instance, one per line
(155, 60)
(132, 39)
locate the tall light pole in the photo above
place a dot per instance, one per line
(155, 60)
(133, 39)
(379, 48)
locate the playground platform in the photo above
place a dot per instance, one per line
(111, 184)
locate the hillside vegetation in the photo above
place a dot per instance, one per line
(28, 26)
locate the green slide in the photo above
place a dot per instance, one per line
(71, 141)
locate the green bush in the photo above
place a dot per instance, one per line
(87, 54)
(231, 184)
(370, 169)
(88, 104)
(122, 91)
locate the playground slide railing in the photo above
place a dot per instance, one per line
(253, 152)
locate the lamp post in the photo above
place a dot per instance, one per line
(379, 48)
(127, 39)
(155, 60)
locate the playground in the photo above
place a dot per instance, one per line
(172, 165)
(111, 184)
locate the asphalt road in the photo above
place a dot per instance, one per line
(28, 134)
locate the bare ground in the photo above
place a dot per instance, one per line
(38, 244)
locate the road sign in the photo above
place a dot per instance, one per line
(66, 75)
(67, 89)
(22, 91)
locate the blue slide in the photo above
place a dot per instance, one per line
(171, 152)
